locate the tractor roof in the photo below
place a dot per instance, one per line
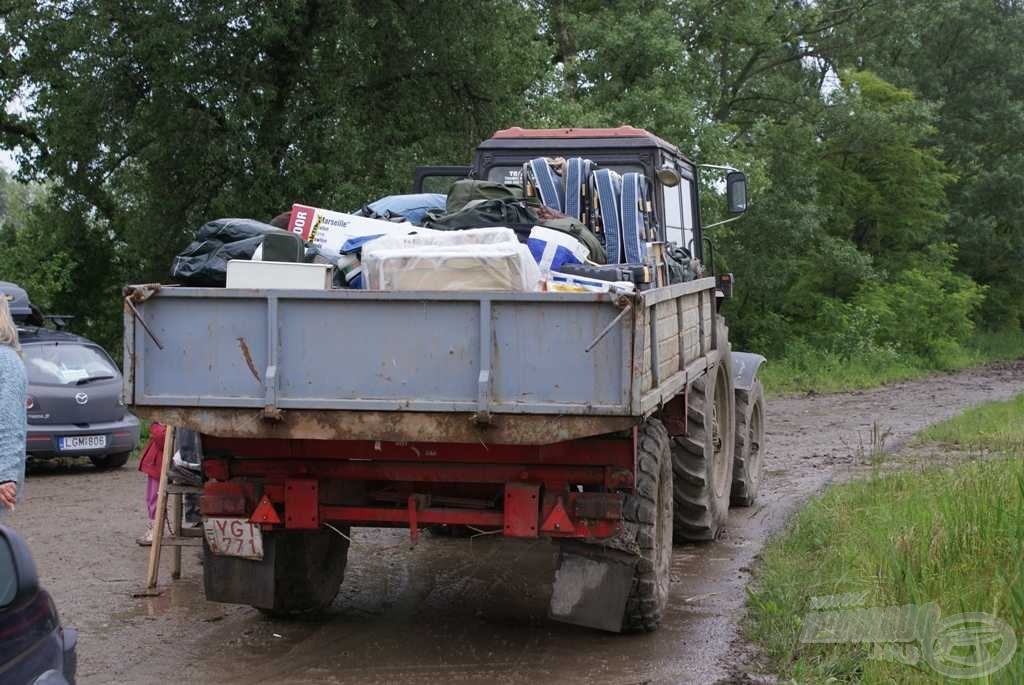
(629, 132)
(620, 136)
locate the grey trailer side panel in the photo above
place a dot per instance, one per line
(477, 356)
(214, 352)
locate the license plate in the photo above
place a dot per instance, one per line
(83, 442)
(234, 537)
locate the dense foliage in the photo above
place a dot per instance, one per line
(882, 141)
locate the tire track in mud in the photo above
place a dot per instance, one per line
(455, 610)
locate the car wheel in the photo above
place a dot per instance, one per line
(110, 461)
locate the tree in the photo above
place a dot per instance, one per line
(149, 118)
(966, 57)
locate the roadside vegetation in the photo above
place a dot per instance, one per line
(804, 368)
(997, 426)
(949, 535)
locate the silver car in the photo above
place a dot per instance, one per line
(74, 400)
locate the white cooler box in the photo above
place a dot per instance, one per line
(243, 273)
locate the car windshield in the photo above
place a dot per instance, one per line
(66, 363)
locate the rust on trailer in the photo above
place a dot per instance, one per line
(333, 424)
(244, 346)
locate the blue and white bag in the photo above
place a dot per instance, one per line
(551, 249)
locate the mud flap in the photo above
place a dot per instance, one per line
(300, 570)
(591, 587)
(239, 581)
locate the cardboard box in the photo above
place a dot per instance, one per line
(330, 230)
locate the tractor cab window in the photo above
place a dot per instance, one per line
(513, 175)
(686, 193)
(679, 216)
(673, 215)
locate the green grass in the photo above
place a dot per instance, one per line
(826, 372)
(996, 425)
(805, 369)
(953, 536)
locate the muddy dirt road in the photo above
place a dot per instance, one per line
(450, 610)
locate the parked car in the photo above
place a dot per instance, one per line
(34, 647)
(74, 400)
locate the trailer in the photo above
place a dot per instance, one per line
(605, 422)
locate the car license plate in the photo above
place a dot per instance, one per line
(83, 442)
(234, 537)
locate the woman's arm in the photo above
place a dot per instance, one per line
(12, 418)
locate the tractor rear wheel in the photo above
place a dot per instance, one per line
(649, 508)
(702, 460)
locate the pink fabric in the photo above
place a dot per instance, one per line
(152, 487)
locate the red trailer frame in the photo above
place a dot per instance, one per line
(570, 489)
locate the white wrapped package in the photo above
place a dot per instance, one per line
(475, 259)
(431, 238)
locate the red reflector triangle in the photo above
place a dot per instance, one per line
(265, 512)
(558, 520)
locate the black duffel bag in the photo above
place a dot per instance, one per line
(205, 261)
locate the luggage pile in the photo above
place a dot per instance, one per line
(571, 227)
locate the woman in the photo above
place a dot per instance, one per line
(13, 417)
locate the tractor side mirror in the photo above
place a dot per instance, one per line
(668, 175)
(736, 191)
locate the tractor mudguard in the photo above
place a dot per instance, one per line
(744, 367)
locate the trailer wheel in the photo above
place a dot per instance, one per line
(750, 442)
(311, 566)
(702, 461)
(300, 573)
(650, 509)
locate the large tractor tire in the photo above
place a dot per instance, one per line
(749, 462)
(300, 573)
(650, 509)
(702, 461)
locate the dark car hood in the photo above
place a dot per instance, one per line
(95, 402)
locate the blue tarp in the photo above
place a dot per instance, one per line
(413, 206)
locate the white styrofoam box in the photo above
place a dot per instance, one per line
(243, 273)
(473, 259)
